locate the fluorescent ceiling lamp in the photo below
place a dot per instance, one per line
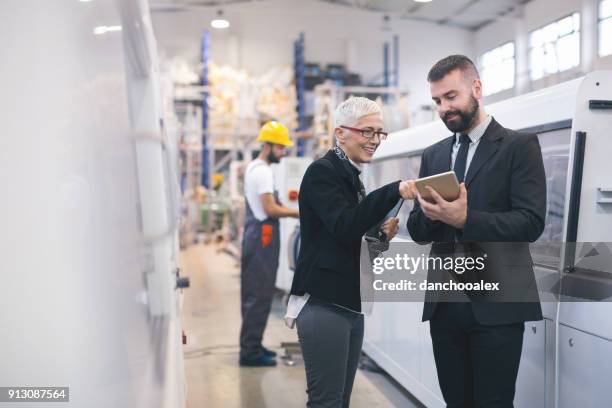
(219, 22)
(106, 29)
(423, 1)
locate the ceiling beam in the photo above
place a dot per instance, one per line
(195, 3)
(459, 11)
(512, 10)
(449, 23)
(413, 8)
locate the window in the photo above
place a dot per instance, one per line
(605, 28)
(497, 69)
(555, 47)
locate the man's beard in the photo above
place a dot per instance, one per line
(466, 118)
(272, 158)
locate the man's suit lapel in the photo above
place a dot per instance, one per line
(486, 149)
(442, 159)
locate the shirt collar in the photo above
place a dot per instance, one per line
(343, 156)
(355, 165)
(476, 133)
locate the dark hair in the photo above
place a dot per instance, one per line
(449, 64)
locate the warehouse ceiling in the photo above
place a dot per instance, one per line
(466, 14)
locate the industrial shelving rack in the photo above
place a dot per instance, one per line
(328, 96)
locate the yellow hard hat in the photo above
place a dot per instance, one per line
(275, 132)
(218, 178)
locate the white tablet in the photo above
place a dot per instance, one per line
(445, 184)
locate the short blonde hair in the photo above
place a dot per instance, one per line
(350, 111)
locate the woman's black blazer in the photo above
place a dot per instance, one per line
(332, 224)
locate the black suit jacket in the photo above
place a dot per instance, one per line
(332, 224)
(506, 187)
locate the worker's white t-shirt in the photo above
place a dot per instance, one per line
(258, 180)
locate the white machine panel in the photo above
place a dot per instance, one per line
(531, 380)
(288, 176)
(429, 375)
(595, 214)
(585, 369)
(398, 342)
(78, 223)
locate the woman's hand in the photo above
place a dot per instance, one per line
(390, 228)
(408, 190)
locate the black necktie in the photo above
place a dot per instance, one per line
(461, 159)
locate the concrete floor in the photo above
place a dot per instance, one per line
(211, 320)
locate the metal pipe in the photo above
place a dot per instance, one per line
(396, 61)
(386, 64)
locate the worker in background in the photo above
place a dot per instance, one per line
(261, 244)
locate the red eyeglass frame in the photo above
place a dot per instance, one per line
(381, 135)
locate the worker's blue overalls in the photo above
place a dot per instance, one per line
(259, 262)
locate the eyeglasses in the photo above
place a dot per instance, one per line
(368, 133)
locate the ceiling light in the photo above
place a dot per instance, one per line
(219, 22)
(423, 1)
(106, 29)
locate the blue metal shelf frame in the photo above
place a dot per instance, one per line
(298, 55)
(205, 150)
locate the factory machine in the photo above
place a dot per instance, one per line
(288, 175)
(89, 207)
(567, 357)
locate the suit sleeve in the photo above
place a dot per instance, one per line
(344, 220)
(421, 228)
(525, 221)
